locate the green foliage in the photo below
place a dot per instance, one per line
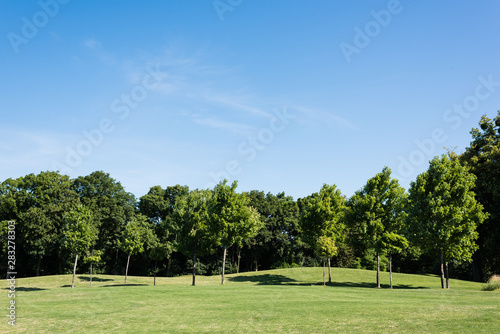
(79, 233)
(231, 219)
(443, 211)
(325, 246)
(93, 257)
(483, 159)
(321, 216)
(493, 284)
(376, 215)
(191, 216)
(136, 236)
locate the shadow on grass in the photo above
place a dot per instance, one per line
(267, 279)
(124, 284)
(20, 288)
(374, 285)
(94, 279)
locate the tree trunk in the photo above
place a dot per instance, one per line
(239, 258)
(156, 266)
(442, 269)
(74, 272)
(169, 263)
(324, 272)
(390, 269)
(194, 270)
(329, 271)
(447, 276)
(90, 274)
(126, 269)
(256, 265)
(38, 266)
(378, 270)
(224, 264)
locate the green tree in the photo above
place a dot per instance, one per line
(135, 238)
(158, 205)
(231, 219)
(483, 159)
(92, 258)
(444, 213)
(191, 215)
(325, 247)
(79, 233)
(38, 204)
(376, 217)
(277, 243)
(322, 216)
(111, 208)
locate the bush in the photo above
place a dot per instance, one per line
(493, 284)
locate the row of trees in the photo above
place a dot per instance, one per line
(449, 213)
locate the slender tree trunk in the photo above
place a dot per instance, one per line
(256, 265)
(90, 274)
(390, 269)
(194, 269)
(239, 258)
(329, 271)
(324, 272)
(442, 269)
(156, 266)
(224, 264)
(74, 272)
(126, 269)
(39, 263)
(169, 263)
(378, 270)
(447, 276)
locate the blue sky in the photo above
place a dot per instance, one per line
(280, 95)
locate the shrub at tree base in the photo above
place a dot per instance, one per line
(493, 284)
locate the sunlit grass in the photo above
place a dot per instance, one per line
(278, 301)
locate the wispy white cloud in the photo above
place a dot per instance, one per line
(326, 117)
(91, 43)
(237, 128)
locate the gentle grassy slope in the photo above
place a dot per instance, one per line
(286, 300)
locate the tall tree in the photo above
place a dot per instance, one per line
(231, 219)
(322, 216)
(376, 216)
(79, 233)
(158, 205)
(483, 159)
(444, 213)
(191, 215)
(111, 207)
(38, 204)
(92, 258)
(135, 238)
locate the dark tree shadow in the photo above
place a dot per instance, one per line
(20, 288)
(124, 284)
(94, 279)
(265, 279)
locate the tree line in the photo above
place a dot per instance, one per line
(447, 223)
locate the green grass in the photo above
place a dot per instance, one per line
(278, 301)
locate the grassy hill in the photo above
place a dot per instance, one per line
(276, 301)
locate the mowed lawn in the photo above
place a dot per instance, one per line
(277, 301)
